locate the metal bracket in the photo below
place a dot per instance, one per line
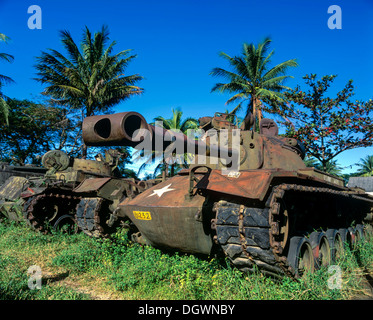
(193, 180)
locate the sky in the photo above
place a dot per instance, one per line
(177, 44)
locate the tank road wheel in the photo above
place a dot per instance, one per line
(368, 232)
(320, 248)
(359, 232)
(336, 244)
(67, 224)
(352, 232)
(300, 256)
(346, 238)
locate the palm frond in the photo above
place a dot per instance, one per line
(5, 79)
(7, 57)
(280, 69)
(238, 96)
(219, 72)
(89, 76)
(251, 78)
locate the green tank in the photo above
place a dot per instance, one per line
(74, 194)
(249, 197)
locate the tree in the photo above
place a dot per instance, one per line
(332, 167)
(123, 161)
(34, 128)
(176, 124)
(366, 166)
(327, 126)
(4, 108)
(92, 78)
(252, 80)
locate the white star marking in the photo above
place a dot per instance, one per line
(159, 192)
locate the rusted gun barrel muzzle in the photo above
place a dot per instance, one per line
(126, 129)
(130, 129)
(113, 129)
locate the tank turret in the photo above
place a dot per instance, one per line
(222, 146)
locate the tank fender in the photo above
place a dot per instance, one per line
(247, 184)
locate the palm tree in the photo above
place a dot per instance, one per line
(366, 166)
(331, 166)
(4, 109)
(252, 80)
(91, 78)
(310, 161)
(175, 123)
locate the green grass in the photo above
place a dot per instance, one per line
(78, 267)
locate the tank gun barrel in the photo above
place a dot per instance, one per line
(131, 129)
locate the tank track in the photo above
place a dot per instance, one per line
(92, 214)
(243, 233)
(263, 234)
(49, 209)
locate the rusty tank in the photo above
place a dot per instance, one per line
(265, 210)
(76, 194)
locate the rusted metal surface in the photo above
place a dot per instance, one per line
(280, 227)
(89, 217)
(246, 184)
(323, 176)
(171, 192)
(130, 129)
(268, 127)
(251, 235)
(172, 227)
(89, 185)
(163, 211)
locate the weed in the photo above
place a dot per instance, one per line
(142, 272)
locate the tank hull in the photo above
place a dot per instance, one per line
(167, 218)
(255, 217)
